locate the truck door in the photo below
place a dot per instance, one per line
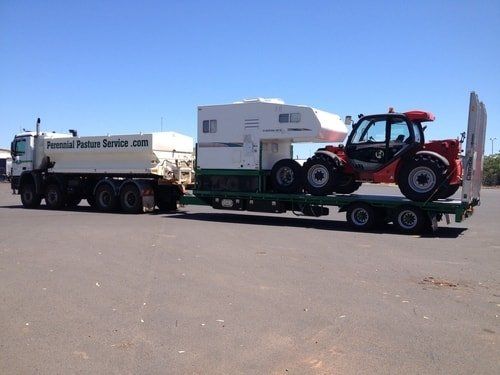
(251, 147)
(22, 155)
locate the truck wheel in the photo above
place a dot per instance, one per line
(345, 183)
(409, 219)
(131, 199)
(29, 198)
(287, 176)
(447, 191)
(361, 216)
(54, 197)
(420, 178)
(319, 171)
(105, 198)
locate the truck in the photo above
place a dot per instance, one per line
(134, 173)
(244, 162)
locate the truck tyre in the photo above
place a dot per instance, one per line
(447, 191)
(54, 197)
(29, 198)
(105, 198)
(410, 219)
(345, 183)
(287, 176)
(320, 171)
(131, 199)
(361, 216)
(420, 178)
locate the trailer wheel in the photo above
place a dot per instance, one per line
(131, 199)
(105, 198)
(319, 171)
(410, 219)
(287, 176)
(54, 197)
(420, 178)
(361, 216)
(29, 198)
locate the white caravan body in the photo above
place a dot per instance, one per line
(255, 134)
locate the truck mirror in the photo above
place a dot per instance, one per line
(348, 120)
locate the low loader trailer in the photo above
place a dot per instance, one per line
(248, 185)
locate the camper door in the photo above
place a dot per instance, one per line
(251, 147)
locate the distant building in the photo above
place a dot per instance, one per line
(5, 164)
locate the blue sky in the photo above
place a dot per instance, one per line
(118, 67)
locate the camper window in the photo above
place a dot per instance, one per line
(294, 117)
(289, 117)
(284, 117)
(213, 126)
(209, 126)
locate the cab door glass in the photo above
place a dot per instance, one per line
(370, 131)
(20, 148)
(400, 133)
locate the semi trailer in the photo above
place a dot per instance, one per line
(134, 173)
(244, 162)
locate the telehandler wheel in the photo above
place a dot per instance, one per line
(447, 191)
(131, 199)
(345, 183)
(420, 178)
(54, 197)
(105, 198)
(361, 216)
(410, 219)
(29, 198)
(320, 170)
(287, 176)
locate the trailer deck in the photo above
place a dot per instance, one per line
(449, 206)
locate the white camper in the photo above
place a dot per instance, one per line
(246, 145)
(256, 133)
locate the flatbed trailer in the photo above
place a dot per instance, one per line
(363, 211)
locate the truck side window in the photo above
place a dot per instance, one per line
(20, 146)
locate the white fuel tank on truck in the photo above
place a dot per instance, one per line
(118, 154)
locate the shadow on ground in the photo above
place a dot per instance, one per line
(300, 222)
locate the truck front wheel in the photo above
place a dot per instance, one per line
(105, 198)
(29, 198)
(54, 197)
